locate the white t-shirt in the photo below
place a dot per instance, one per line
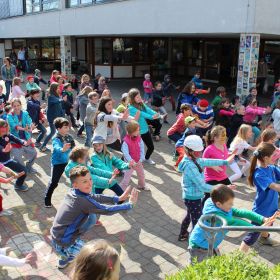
(276, 120)
(240, 146)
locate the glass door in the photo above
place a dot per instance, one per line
(212, 53)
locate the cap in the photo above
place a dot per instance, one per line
(97, 140)
(29, 78)
(194, 142)
(189, 119)
(203, 103)
(124, 95)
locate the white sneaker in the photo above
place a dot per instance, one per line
(150, 161)
(144, 189)
(6, 213)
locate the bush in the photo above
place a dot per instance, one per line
(233, 266)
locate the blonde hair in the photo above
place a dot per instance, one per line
(15, 100)
(95, 261)
(216, 131)
(101, 79)
(84, 77)
(106, 93)
(132, 127)
(268, 134)
(105, 151)
(241, 134)
(16, 81)
(86, 90)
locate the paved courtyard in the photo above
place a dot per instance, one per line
(146, 237)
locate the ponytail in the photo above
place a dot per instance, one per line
(252, 170)
(190, 153)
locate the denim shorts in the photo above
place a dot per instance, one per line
(71, 251)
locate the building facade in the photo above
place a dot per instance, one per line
(125, 39)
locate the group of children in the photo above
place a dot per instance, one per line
(228, 130)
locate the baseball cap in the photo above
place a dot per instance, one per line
(189, 119)
(97, 140)
(124, 95)
(194, 142)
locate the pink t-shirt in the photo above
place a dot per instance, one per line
(179, 126)
(213, 152)
(148, 86)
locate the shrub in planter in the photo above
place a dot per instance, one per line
(233, 266)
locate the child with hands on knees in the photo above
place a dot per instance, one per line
(193, 182)
(134, 153)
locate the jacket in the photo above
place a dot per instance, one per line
(133, 149)
(157, 97)
(54, 109)
(252, 112)
(13, 121)
(104, 162)
(100, 177)
(4, 140)
(33, 86)
(193, 182)
(198, 235)
(145, 113)
(90, 113)
(186, 98)
(83, 102)
(4, 72)
(34, 109)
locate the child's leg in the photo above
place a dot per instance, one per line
(56, 173)
(237, 172)
(89, 134)
(126, 179)
(17, 167)
(147, 139)
(157, 125)
(17, 154)
(140, 174)
(30, 154)
(117, 189)
(90, 222)
(181, 152)
(42, 133)
(197, 254)
(245, 167)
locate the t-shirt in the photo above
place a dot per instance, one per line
(240, 146)
(266, 200)
(213, 152)
(276, 120)
(148, 86)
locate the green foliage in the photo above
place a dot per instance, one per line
(234, 266)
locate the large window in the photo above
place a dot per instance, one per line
(74, 3)
(10, 8)
(103, 51)
(142, 51)
(122, 51)
(48, 49)
(160, 51)
(33, 6)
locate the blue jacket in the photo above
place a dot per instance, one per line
(186, 98)
(54, 109)
(34, 108)
(193, 182)
(197, 82)
(146, 113)
(58, 156)
(187, 132)
(4, 72)
(13, 122)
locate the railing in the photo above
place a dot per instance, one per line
(212, 230)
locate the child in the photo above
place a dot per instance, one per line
(96, 261)
(270, 136)
(221, 93)
(73, 213)
(123, 105)
(101, 179)
(251, 96)
(5, 158)
(239, 144)
(102, 85)
(60, 82)
(91, 109)
(3, 98)
(134, 153)
(265, 177)
(276, 118)
(158, 98)
(39, 79)
(193, 183)
(105, 160)
(38, 118)
(224, 114)
(220, 204)
(83, 102)
(8, 110)
(54, 75)
(16, 90)
(85, 81)
(148, 88)
(62, 144)
(205, 113)
(190, 130)
(67, 103)
(31, 85)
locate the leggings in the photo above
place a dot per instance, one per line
(156, 126)
(17, 167)
(194, 211)
(115, 188)
(237, 171)
(117, 146)
(147, 139)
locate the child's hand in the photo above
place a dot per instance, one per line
(126, 194)
(30, 258)
(66, 147)
(156, 116)
(8, 148)
(137, 115)
(6, 180)
(125, 115)
(230, 159)
(17, 175)
(131, 163)
(232, 187)
(116, 172)
(133, 196)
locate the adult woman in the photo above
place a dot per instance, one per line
(21, 126)
(106, 123)
(8, 72)
(54, 110)
(142, 112)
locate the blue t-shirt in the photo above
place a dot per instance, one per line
(266, 201)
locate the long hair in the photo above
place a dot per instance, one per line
(216, 131)
(188, 87)
(268, 134)
(222, 103)
(53, 89)
(133, 92)
(262, 151)
(242, 133)
(193, 158)
(102, 109)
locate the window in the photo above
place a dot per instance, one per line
(178, 50)
(122, 51)
(142, 51)
(103, 51)
(48, 49)
(10, 8)
(57, 49)
(74, 3)
(160, 51)
(33, 6)
(33, 48)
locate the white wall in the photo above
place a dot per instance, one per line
(149, 17)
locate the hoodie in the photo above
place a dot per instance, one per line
(186, 98)
(198, 235)
(54, 109)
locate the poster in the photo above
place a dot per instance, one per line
(247, 63)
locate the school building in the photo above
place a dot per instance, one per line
(127, 38)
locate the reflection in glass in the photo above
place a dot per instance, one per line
(122, 50)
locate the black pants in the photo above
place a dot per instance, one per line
(81, 129)
(147, 139)
(17, 167)
(214, 183)
(117, 146)
(156, 126)
(116, 189)
(56, 173)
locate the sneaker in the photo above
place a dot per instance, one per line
(149, 161)
(183, 237)
(32, 170)
(21, 188)
(269, 241)
(144, 189)
(48, 203)
(37, 144)
(44, 149)
(6, 213)
(62, 263)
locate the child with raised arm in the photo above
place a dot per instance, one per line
(74, 211)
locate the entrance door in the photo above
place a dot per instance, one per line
(212, 53)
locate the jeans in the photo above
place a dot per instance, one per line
(147, 96)
(50, 134)
(115, 188)
(17, 167)
(42, 133)
(28, 152)
(81, 129)
(175, 136)
(8, 85)
(91, 221)
(56, 173)
(117, 146)
(251, 237)
(147, 139)
(89, 134)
